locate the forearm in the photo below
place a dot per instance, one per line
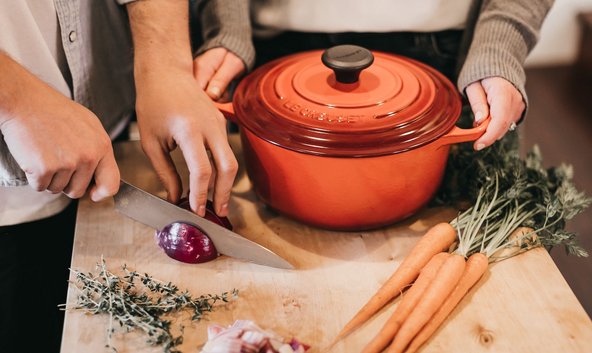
(20, 90)
(10, 172)
(13, 79)
(160, 30)
(504, 35)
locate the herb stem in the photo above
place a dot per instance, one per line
(139, 302)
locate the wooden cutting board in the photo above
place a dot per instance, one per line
(522, 305)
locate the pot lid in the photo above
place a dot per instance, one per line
(347, 102)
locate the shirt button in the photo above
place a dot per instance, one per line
(72, 36)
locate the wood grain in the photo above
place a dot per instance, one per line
(523, 305)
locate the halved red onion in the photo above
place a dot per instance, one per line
(186, 242)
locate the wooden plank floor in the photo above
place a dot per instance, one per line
(560, 122)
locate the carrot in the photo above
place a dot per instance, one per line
(437, 239)
(406, 305)
(476, 266)
(446, 280)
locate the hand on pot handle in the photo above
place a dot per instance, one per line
(215, 69)
(498, 98)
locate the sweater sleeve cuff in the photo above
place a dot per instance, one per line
(243, 48)
(226, 23)
(498, 50)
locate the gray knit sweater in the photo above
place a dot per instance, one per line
(498, 37)
(225, 23)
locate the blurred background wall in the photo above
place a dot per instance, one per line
(559, 121)
(561, 33)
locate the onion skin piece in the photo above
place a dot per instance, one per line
(244, 336)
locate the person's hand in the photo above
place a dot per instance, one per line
(59, 144)
(174, 111)
(497, 97)
(215, 69)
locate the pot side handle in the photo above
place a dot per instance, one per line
(457, 134)
(227, 109)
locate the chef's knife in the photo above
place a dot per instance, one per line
(157, 213)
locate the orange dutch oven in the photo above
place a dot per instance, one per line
(347, 139)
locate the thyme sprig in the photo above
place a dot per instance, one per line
(138, 301)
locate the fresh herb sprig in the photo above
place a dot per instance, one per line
(138, 301)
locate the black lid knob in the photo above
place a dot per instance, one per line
(347, 61)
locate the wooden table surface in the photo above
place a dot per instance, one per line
(522, 305)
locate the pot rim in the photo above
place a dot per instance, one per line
(262, 106)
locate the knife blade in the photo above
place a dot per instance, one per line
(155, 212)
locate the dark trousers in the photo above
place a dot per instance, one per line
(437, 49)
(34, 262)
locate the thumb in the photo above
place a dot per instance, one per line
(231, 68)
(107, 179)
(478, 101)
(205, 65)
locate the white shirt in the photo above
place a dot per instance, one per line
(38, 48)
(58, 41)
(333, 16)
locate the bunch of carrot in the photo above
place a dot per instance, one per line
(509, 193)
(439, 281)
(439, 273)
